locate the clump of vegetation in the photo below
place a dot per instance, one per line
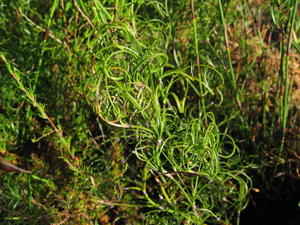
(149, 112)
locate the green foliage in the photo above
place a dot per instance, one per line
(128, 111)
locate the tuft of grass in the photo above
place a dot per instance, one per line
(141, 112)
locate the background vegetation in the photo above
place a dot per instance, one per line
(147, 112)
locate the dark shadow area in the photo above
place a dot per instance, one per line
(279, 205)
